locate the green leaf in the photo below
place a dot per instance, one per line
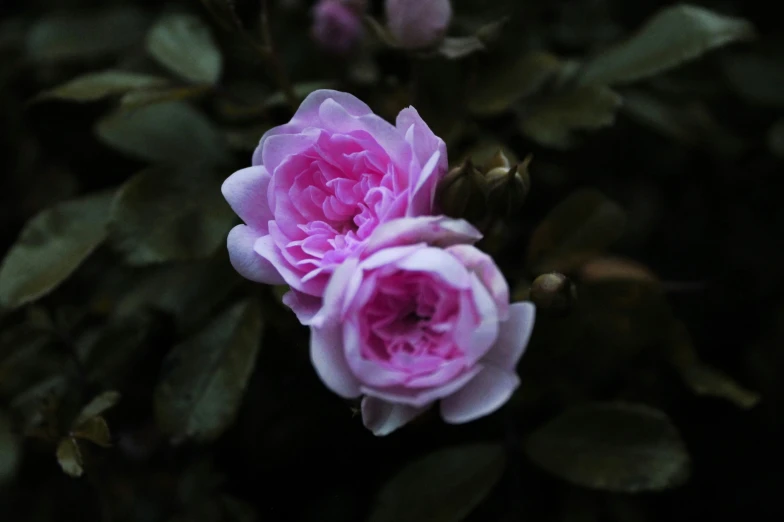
(576, 230)
(553, 121)
(184, 44)
(756, 78)
(165, 132)
(502, 86)
(613, 447)
(98, 85)
(69, 456)
(97, 406)
(169, 214)
(110, 354)
(444, 486)
(138, 99)
(674, 35)
(9, 450)
(454, 48)
(69, 36)
(96, 430)
(204, 379)
(51, 246)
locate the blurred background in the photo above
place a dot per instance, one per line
(141, 379)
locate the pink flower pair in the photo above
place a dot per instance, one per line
(403, 310)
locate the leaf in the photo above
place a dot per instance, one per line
(51, 246)
(454, 48)
(609, 268)
(577, 229)
(184, 44)
(702, 378)
(98, 85)
(616, 447)
(553, 121)
(138, 99)
(9, 450)
(674, 35)
(95, 430)
(204, 378)
(776, 139)
(70, 457)
(97, 406)
(110, 354)
(165, 132)
(444, 486)
(756, 78)
(70, 36)
(169, 214)
(502, 86)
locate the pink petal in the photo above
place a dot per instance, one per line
(335, 293)
(303, 305)
(433, 230)
(420, 398)
(439, 263)
(246, 193)
(308, 112)
(484, 336)
(421, 138)
(266, 248)
(483, 395)
(424, 190)
(484, 266)
(513, 337)
(382, 418)
(246, 261)
(278, 148)
(326, 354)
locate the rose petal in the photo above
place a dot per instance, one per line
(334, 293)
(439, 263)
(513, 337)
(420, 397)
(278, 148)
(422, 140)
(434, 230)
(484, 394)
(484, 336)
(246, 193)
(424, 190)
(382, 418)
(487, 271)
(266, 248)
(303, 305)
(246, 261)
(326, 354)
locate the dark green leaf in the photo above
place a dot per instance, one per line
(51, 246)
(70, 457)
(94, 86)
(204, 378)
(756, 78)
(674, 35)
(613, 447)
(165, 132)
(138, 99)
(553, 121)
(9, 450)
(184, 44)
(109, 355)
(460, 47)
(167, 214)
(580, 227)
(80, 35)
(501, 86)
(444, 486)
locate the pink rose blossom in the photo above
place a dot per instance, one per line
(418, 23)
(337, 24)
(321, 184)
(420, 316)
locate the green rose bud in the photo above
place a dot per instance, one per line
(507, 186)
(463, 193)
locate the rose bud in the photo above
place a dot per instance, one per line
(417, 24)
(508, 187)
(463, 193)
(337, 24)
(554, 293)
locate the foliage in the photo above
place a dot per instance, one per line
(141, 379)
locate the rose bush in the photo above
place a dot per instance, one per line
(321, 184)
(419, 315)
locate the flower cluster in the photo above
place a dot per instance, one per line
(404, 311)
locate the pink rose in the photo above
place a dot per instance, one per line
(418, 23)
(420, 316)
(337, 24)
(321, 184)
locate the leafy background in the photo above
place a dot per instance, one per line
(142, 380)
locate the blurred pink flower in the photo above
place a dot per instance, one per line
(420, 316)
(418, 23)
(337, 24)
(321, 184)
